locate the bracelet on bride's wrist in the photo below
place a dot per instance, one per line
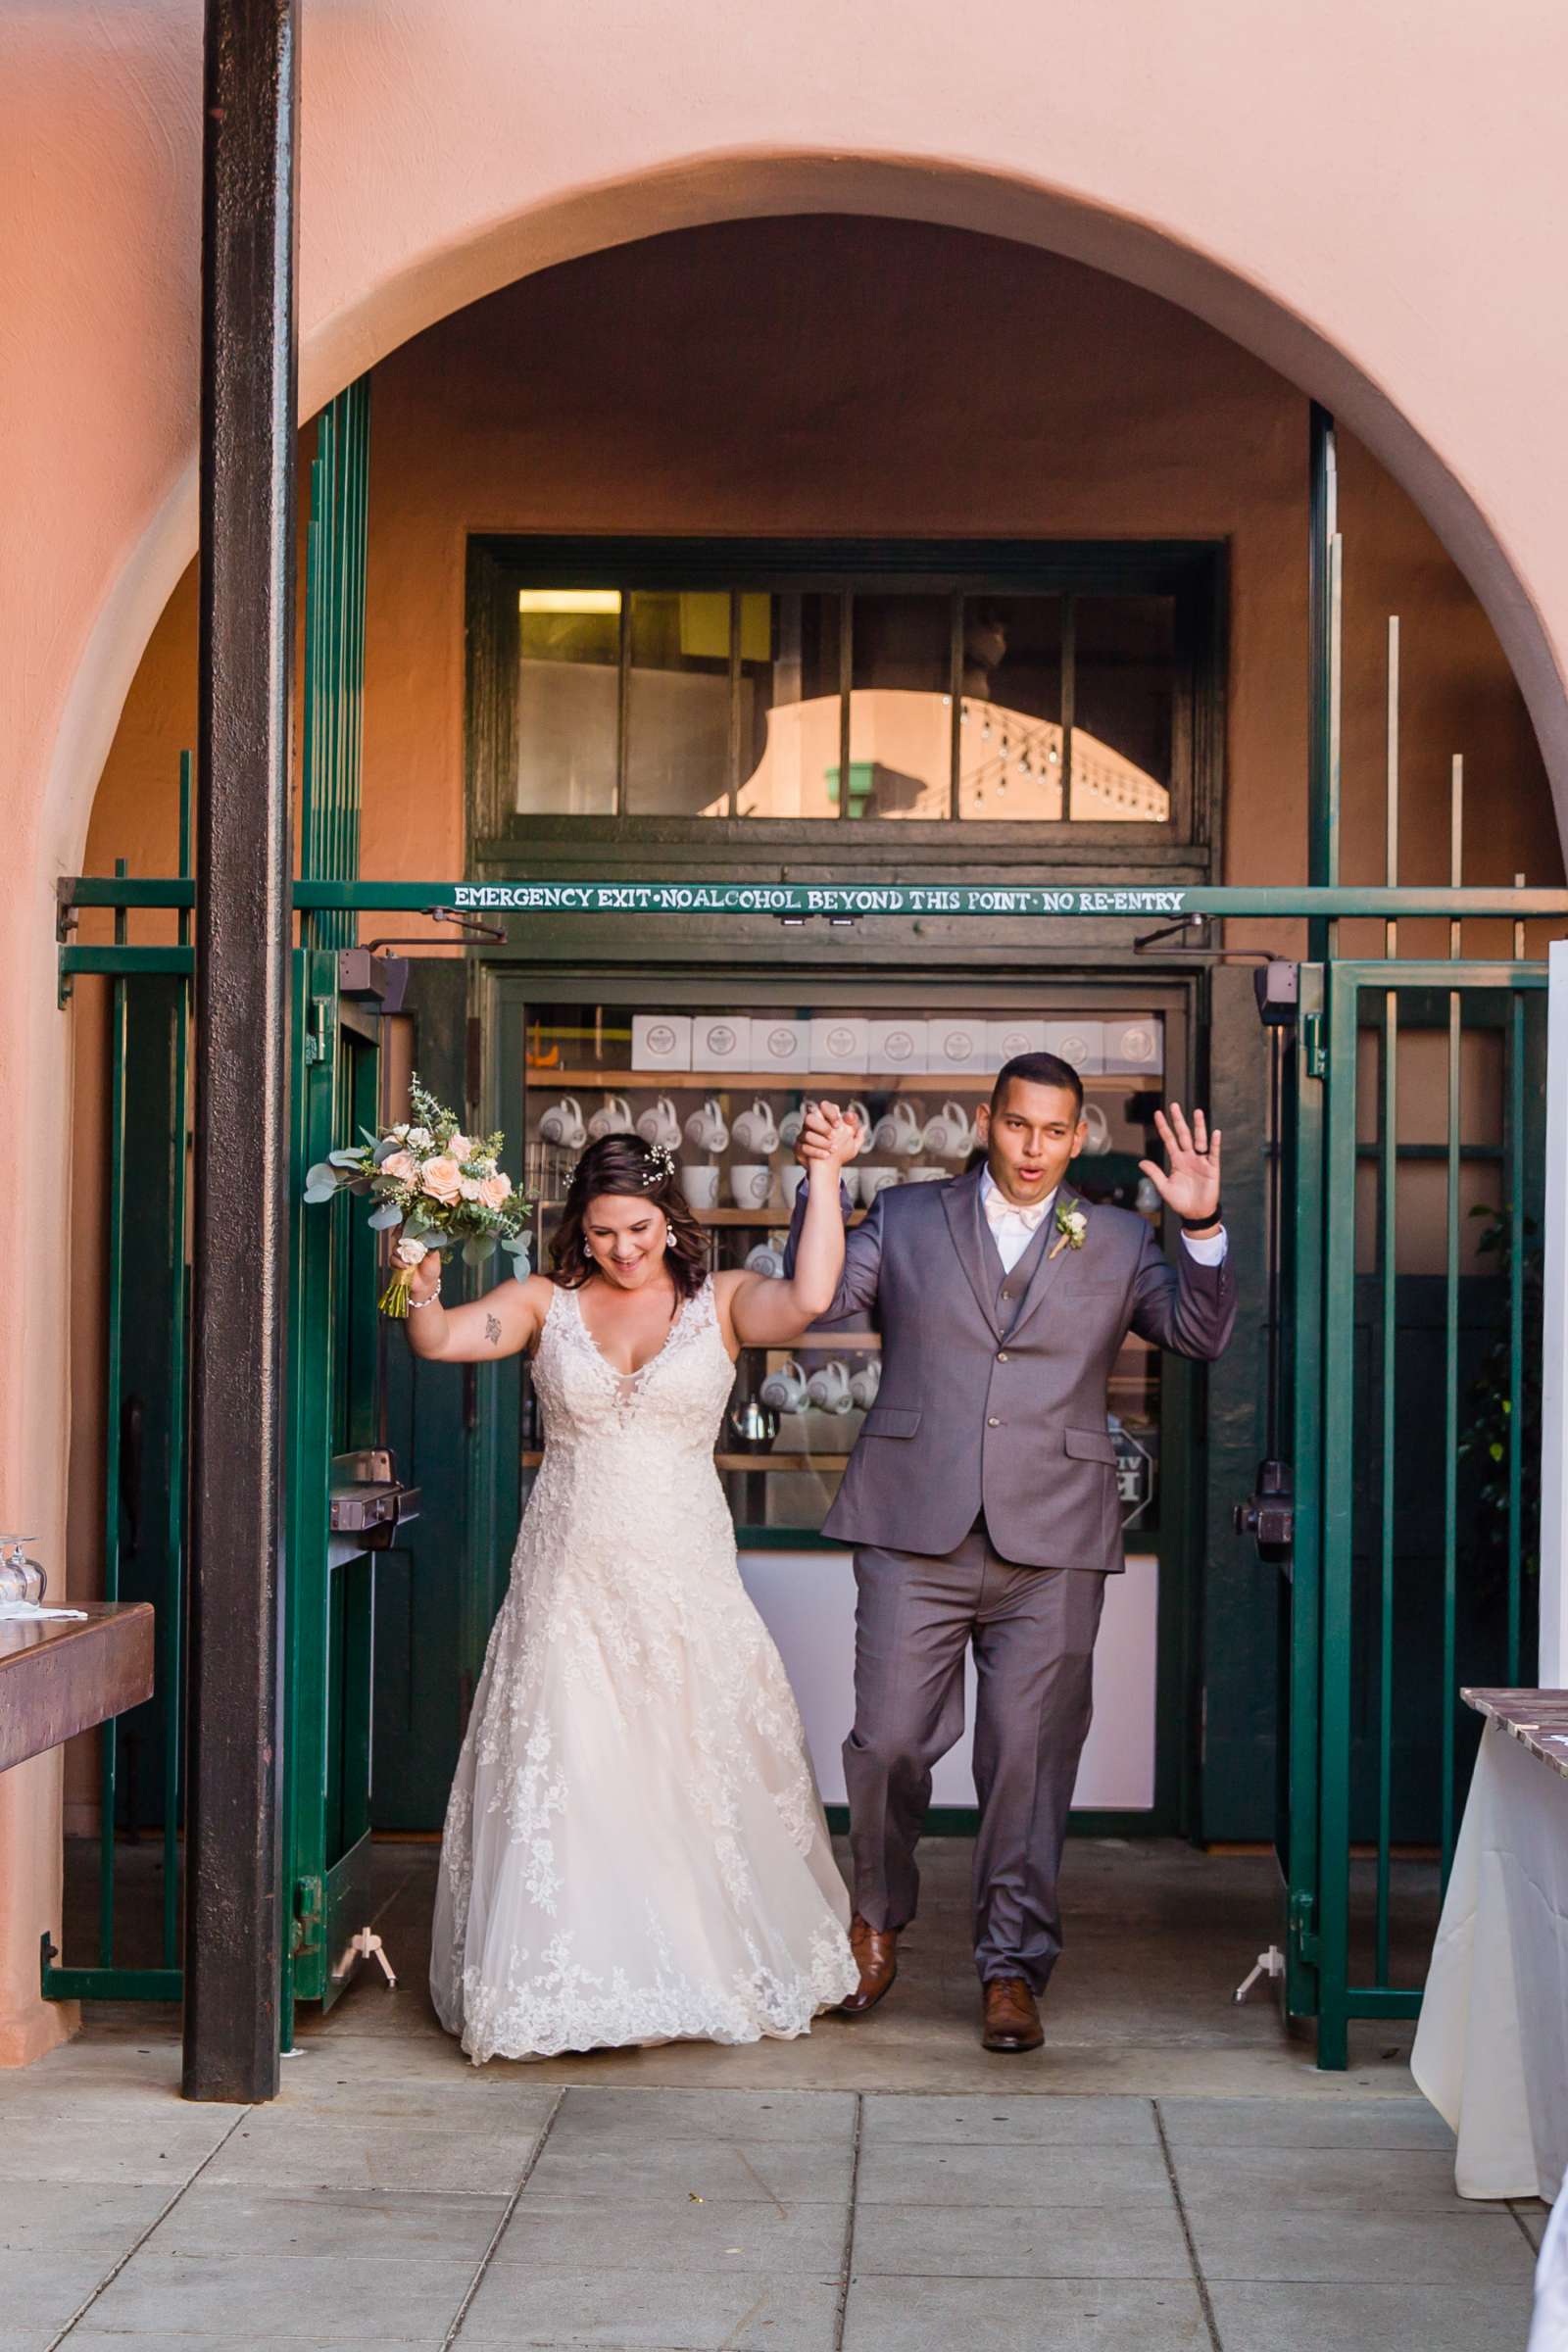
(415, 1304)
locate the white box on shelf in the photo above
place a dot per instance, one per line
(661, 1041)
(1006, 1040)
(897, 1046)
(956, 1046)
(1082, 1043)
(780, 1043)
(840, 1040)
(1135, 1044)
(721, 1041)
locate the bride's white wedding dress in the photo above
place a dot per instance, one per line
(634, 1849)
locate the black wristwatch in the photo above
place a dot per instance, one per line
(1217, 1216)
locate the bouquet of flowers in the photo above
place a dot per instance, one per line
(436, 1186)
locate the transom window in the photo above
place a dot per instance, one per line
(653, 689)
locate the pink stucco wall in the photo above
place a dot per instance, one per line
(1371, 208)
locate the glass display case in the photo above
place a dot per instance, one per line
(726, 1087)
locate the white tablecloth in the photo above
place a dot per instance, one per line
(1491, 2046)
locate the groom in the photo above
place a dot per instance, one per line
(981, 1499)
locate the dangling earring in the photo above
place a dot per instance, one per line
(587, 1249)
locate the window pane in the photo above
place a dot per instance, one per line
(1124, 708)
(1009, 738)
(567, 701)
(789, 716)
(901, 711)
(678, 704)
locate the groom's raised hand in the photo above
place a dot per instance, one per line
(1191, 1184)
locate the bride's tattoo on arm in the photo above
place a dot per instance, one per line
(492, 1329)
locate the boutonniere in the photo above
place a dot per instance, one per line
(1072, 1226)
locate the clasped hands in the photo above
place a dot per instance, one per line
(828, 1135)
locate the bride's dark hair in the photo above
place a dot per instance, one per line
(626, 1167)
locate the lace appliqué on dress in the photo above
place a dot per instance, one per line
(635, 1849)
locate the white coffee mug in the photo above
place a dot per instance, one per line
(613, 1119)
(754, 1130)
(850, 1178)
(874, 1180)
(1098, 1138)
(562, 1123)
(898, 1130)
(792, 1179)
(785, 1388)
(829, 1389)
(764, 1260)
(865, 1384)
(660, 1125)
(707, 1127)
(858, 1112)
(701, 1186)
(750, 1185)
(927, 1176)
(789, 1128)
(948, 1135)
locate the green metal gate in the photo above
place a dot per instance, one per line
(1411, 1301)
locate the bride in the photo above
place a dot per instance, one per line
(634, 1849)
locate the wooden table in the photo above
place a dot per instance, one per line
(60, 1675)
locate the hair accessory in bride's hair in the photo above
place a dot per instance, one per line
(660, 1167)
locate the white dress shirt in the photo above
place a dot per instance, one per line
(1012, 1228)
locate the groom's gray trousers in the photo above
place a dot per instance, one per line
(1033, 1631)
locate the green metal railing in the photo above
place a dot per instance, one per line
(333, 689)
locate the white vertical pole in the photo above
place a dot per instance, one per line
(1554, 1339)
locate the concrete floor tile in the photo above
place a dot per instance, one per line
(40, 2291)
(639, 2170)
(1005, 2315)
(80, 2221)
(281, 2148)
(162, 2144)
(1323, 2121)
(675, 2235)
(591, 2118)
(893, 2119)
(235, 2300)
(1020, 2242)
(1350, 2318)
(1367, 2179)
(924, 2174)
(288, 2339)
(1335, 2246)
(1531, 2214)
(219, 2218)
(702, 2312)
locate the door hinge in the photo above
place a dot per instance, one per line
(320, 1022)
(1314, 1045)
(1304, 1935)
(306, 1913)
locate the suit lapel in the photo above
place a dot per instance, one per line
(961, 1200)
(1049, 1263)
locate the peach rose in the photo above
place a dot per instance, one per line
(441, 1178)
(460, 1146)
(401, 1166)
(493, 1189)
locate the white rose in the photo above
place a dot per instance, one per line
(421, 1138)
(410, 1252)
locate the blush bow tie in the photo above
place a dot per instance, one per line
(999, 1212)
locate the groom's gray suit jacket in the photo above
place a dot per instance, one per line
(994, 1385)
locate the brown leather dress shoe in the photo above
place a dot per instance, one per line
(876, 1952)
(1011, 2018)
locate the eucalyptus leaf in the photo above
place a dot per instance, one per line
(316, 1194)
(476, 1251)
(381, 1220)
(321, 1172)
(385, 1150)
(349, 1155)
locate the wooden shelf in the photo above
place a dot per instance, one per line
(767, 1220)
(832, 1081)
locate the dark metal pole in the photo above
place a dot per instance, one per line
(233, 1915)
